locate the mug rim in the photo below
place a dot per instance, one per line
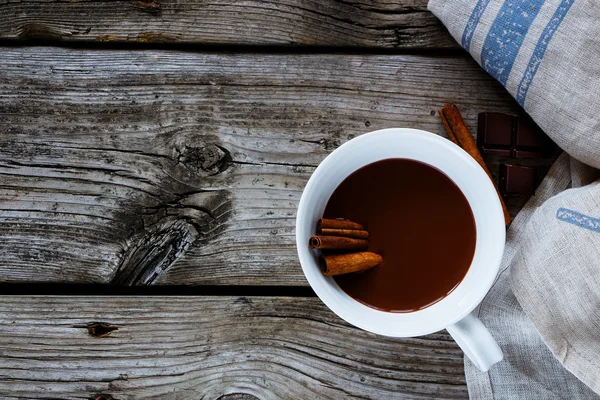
(489, 252)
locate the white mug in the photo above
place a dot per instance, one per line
(453, 312)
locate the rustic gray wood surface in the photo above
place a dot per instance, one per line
(371, 23)
(158, 167)
(205, 347)
(162, 165)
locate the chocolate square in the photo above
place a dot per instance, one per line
(497, 152)
(529, 135)
(494, 129)
(527, 154)
(516, 180)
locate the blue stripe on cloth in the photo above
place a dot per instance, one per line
(472, 23)
(506, 36)
(579, 219)
(540, 49)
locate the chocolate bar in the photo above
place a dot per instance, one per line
(516, 181)
(509, 135)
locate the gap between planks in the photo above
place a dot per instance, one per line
(236, 48)
(57, 289)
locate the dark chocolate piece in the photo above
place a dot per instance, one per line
(527, 134)
(516, 180)
(527, 154)
(497, 152)
(508, 135)
(494, 130)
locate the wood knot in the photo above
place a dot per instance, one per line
(39, 31)
(210, 158)
(99, 329)
(150, 7)
(154, 250)
(238, 396)
(167, 231)
(103, 397)
(154, 37)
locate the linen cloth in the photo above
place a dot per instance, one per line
(544, 308)
(546, 54)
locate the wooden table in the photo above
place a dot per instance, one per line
(161, 148)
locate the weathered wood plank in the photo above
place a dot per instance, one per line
(205, 347)
(161, 167)
(374, 23)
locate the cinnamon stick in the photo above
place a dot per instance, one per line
(337, 243)
(351, 233)
(327, 223)
(345, 263)
(459, 133)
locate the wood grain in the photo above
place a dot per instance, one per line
(164, 167)
(374, 23)
(206, 347)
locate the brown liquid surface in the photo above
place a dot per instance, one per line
(418, 221)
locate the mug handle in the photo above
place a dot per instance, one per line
(476, 342)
